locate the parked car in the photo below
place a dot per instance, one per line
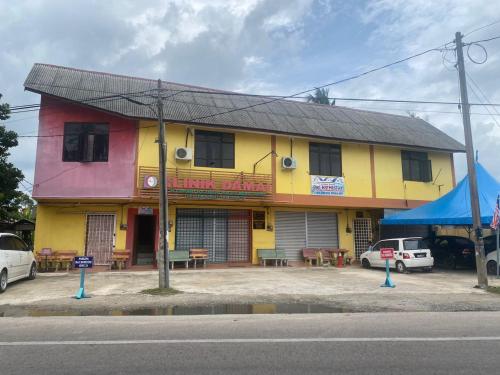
(452, 251)
(409, 253)
(16, 260)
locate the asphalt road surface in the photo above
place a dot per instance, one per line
(385, 343)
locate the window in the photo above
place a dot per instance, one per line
(416, 166)
(213, 149)
(324, 159)
(4, 243)
(85, 142)
(259, 220)
(12, 243)
(414, 244)
(17, 244)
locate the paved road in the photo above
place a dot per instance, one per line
(387, 343)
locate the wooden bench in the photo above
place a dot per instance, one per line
(310, 254)
(45, 256)
(327, 255)
(267, 254)
(178, 256)
(64, 258)
(199, 254)
(120, 258)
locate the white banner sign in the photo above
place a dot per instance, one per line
(323, 185)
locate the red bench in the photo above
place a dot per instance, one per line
(310, 255)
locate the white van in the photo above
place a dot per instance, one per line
(409, 252)
(16, 260)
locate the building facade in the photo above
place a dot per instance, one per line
(244, 172)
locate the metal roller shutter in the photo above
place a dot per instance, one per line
(291, 233)
(322, 229)
(296, 230)
(224, 233)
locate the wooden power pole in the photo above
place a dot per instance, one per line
(162, 255)
(482, 279)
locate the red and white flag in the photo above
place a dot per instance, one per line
(496, 215)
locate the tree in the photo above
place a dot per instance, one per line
(320, 97)
(12, 201)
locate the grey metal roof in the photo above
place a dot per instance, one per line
(190, 104)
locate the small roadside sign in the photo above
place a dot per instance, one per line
(83, 262)
(387, 253)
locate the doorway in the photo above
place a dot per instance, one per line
(144, 246)
(100, 237)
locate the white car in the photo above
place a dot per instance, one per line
(409, 252)
(16, 260)
(491, 263)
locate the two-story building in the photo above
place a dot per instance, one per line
(244, 172)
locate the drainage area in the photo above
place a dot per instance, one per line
(258, 308)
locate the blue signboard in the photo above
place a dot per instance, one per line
(83, 262)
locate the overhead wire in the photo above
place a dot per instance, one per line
(482, 27)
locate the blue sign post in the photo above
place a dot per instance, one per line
(82, 263)
(387, 253)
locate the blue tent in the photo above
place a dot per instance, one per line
(453, 208)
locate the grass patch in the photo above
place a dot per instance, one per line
(161, 291)
(494, 289)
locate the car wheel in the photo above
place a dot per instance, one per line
(428, 269)
(491, 267)
(3, 281)
(365, 263)
(400, 267)
(32, 274)
(450, 263)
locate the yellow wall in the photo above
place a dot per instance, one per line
(249, 148)
(356, 167)
(64, 227)
(389, 176)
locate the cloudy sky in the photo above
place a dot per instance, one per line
(264, 47)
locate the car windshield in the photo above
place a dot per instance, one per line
(414, 244)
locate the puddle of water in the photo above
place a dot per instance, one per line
(185, 310)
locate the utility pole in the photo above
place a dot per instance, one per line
(162, 255)
(482, 279)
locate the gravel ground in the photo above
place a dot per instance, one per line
(342, 290)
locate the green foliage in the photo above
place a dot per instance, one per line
(4, 110)
(14, 204)
(320, 97)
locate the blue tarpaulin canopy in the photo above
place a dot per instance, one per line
(453, 208)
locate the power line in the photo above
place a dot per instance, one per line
(483, 40)
(484, 97)
(482, 27)
(296, 95)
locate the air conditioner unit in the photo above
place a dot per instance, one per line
(287, 162)
(183, 153)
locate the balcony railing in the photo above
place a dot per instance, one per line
(192, 184)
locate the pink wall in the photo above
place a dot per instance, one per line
(58, 179)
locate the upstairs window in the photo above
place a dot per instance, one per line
(416, 166)
(213, 149)
(85, 142)
(325, 159)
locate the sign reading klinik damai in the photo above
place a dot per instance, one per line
(325, 185)
(208, 185)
